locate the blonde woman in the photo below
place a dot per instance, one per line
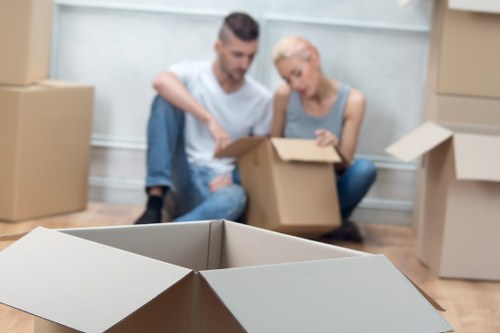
(311, 105)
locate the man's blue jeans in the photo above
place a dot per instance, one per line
(167, 165)
(353, 185)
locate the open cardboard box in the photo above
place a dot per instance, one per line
(212, 276)
(459, 228)
(290, 183)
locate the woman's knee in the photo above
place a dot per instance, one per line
(366, 169)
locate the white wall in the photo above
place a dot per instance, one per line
(119, 45)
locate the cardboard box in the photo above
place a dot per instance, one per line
(459, 235)
(290, 183)
(45, 148)
(460, 109)
(25, 36)
(464, 52)
(487, 6)
(214, 276)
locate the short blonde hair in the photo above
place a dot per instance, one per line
(294, 46)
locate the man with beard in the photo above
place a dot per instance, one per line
(200, 108)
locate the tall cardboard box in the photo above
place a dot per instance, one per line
(214, 276)
(290, 183)
(448, 108)
(44, 148)
(459, 232)
(25, 39)
(464, 52)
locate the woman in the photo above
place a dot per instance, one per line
(311, 105)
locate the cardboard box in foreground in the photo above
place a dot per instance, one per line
(45, 148)
(25, 39)
(214, 276)
(459, 228)
(290, 183)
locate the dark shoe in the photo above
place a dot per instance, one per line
(152, 214)
(348, 231)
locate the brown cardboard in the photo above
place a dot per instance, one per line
(460, 109)
(464, 52)
(45, 146)
(458, 235)
(295, 294)
(290, 183)
(25, 36)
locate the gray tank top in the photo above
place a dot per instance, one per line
(299, 124)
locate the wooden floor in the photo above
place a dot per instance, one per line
(471, 306)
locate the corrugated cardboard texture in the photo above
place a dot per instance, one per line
(99, 277)
(363, 294)
(50, 128)
(25, 36)
(246, 246)
(464, 53)
(418, 142)
(477, 157)
(458, 108)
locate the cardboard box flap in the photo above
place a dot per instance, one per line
(240, 147)
(304, 150)
(418, 142)
(77, 283)
(477, 157)
(358, 294)
(487, 6)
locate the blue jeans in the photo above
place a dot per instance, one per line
(167, 165)
(353, 185)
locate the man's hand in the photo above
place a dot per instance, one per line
(326, 138)
(220, 136)
(219, 182)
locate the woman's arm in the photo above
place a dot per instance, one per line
(353, 117)
(281, 97)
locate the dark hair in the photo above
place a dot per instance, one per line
(241, 25)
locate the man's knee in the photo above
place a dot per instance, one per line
(232, 196)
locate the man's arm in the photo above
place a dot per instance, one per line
(171, 88)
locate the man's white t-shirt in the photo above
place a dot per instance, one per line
(242, 113)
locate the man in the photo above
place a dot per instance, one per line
(200, 108)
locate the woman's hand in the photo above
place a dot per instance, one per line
(326, 138)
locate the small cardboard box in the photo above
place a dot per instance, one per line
(214, 276)
(45, 147)
(460, 109)
(459, 232)
(464, 52)
(290, 183)
(25, 36)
